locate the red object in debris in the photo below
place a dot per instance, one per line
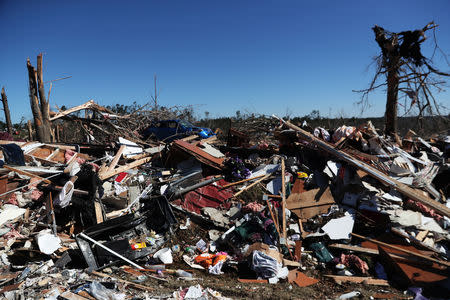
(68, 155)
(5, 136)
(121, 177)
(252, 207)
(426, 210)
(137, 246)
(207, 196)
(352, 260)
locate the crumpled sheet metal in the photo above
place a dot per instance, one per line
(207, 196)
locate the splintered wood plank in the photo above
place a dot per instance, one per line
(299, 187)
(107, 174)
(8, 276)
(59, 157)
(116, 158)
(310, 203)
(3, 186)
(199, 154)
(98, 212)
(190, 138)
(421, 235)
(371, 251)
(411, 272)
(132, 284)
(29, 158)
(41, 152)
(86, 105)
(403, 249)
(311, 198)
(71, 296)
(366, 280)
(52, 154)
(72, 159)
(18, 171)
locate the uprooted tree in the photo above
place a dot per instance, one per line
(402, 67)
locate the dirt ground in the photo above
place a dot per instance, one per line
(229, 286)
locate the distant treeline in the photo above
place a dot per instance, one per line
(425, 127)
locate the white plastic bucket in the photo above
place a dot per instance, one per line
(164, 255)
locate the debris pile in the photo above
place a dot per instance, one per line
(321, 213)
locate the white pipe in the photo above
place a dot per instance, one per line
(111, 251)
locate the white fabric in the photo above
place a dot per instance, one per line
(10, 212)
(48, 242)
(65, 196)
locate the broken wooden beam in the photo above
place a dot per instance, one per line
(98, 212)
(133, 284)
(199, 154)
(440, 262)
(366, 280)
(354, 248)
(414, 240)
(116, 158)
(240, 181)
(283, 195)
(107, 174)
(22, 172)
(71, 296)
(86, 105)
(252, 184)
(364, 250)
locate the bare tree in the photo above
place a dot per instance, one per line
(401, 67)
(155, 98)
(6, 109)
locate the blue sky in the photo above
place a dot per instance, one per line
(220, 56)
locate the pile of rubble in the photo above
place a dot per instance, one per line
(344, 212)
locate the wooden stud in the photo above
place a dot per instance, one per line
(98, 212)
(441, 262)
(252, 185)
(105, 175)
(26, 173)
(283, 192)
(240, 181)
(116, 158)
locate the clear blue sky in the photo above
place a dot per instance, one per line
(221, 56)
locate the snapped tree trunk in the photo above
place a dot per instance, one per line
(30, 131)
(45, 108)
(391, 98)
(6, 109)
(405, 69)
(34, 102)
(39, 106)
